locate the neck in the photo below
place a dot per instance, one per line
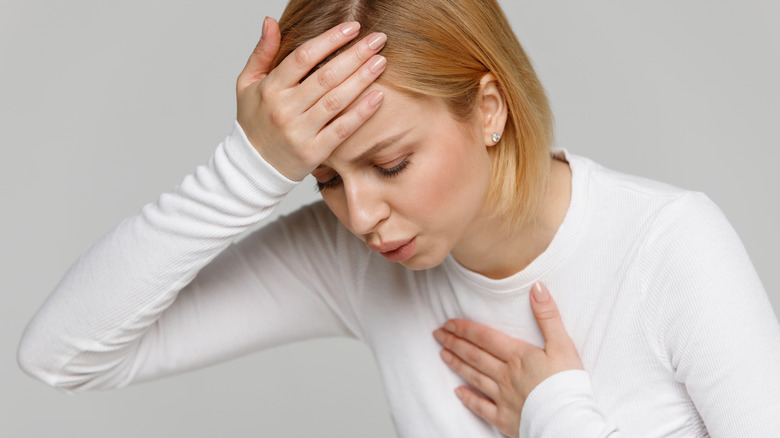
(491, 249)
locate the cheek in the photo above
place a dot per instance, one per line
(453, 186)
(337, 204)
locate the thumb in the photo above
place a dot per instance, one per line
(547, 315)
(259, 64)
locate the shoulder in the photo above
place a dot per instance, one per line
(677, 236)
(676, 229)
(603, 180)
(633, 212)
(665, 208)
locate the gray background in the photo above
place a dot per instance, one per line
(103, 105)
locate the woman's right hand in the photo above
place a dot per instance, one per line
(296, 125)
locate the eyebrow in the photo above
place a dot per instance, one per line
(376, 148)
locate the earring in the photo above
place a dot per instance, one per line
(496, 138)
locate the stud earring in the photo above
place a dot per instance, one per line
(496, 138)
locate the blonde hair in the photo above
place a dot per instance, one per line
(443, 48)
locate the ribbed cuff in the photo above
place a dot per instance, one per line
(564, 405)
(253, 166)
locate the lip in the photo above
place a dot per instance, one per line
(396, 251)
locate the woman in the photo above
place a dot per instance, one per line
(445, 214)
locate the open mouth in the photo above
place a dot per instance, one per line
(402, 252)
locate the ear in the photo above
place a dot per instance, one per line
(493, 108)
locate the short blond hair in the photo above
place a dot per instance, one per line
(443, 48)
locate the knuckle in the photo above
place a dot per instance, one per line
(449, 340)
(279, 117)
(341, 131)
(334, 37)
(481, 337)
(547, 313)
(302, 55)
(363, 112)
(360, 53)
(479, 381)
(475, 335)
(454, 362)
(326, 77)
(265, 91)
(307, 154)
(472, 356)
(367, 76)
(331, 103)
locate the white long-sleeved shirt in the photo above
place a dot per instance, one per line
(673, 326)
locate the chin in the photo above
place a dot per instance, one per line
(420, 262)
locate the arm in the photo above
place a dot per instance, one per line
(112, 318)
(118, 289)
(711, 320)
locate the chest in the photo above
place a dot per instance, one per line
(632, 386)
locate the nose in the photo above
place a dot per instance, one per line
(365, 206)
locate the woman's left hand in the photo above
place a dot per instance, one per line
(502, 370)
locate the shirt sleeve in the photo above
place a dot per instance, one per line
(564, 405)
(168, 290)
(711, 320)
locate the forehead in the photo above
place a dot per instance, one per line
(400, 111)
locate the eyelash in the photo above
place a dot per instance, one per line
(395, 170)
(386, 173)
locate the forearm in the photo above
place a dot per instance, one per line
(113, 293)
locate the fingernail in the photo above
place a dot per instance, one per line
(350, 28)
(377, 64)
(449, 326)
(376, 98)
(540, 292)
(265, 25)
(377, 40)
(446, 356)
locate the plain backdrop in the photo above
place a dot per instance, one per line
(104, 105)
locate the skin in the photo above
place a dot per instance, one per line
(437, 195)
(428, 184)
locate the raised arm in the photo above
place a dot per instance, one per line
(115, 313)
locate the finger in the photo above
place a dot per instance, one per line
(259, 64)
(471, 375)
(484, 408)
(493, 341)
(334, 102)
(346, 65)
(472, 354)
(300, 62)
(346, 124)
(547, 316)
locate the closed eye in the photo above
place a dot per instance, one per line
(329, 184)
(384, 172)
(395, 170)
